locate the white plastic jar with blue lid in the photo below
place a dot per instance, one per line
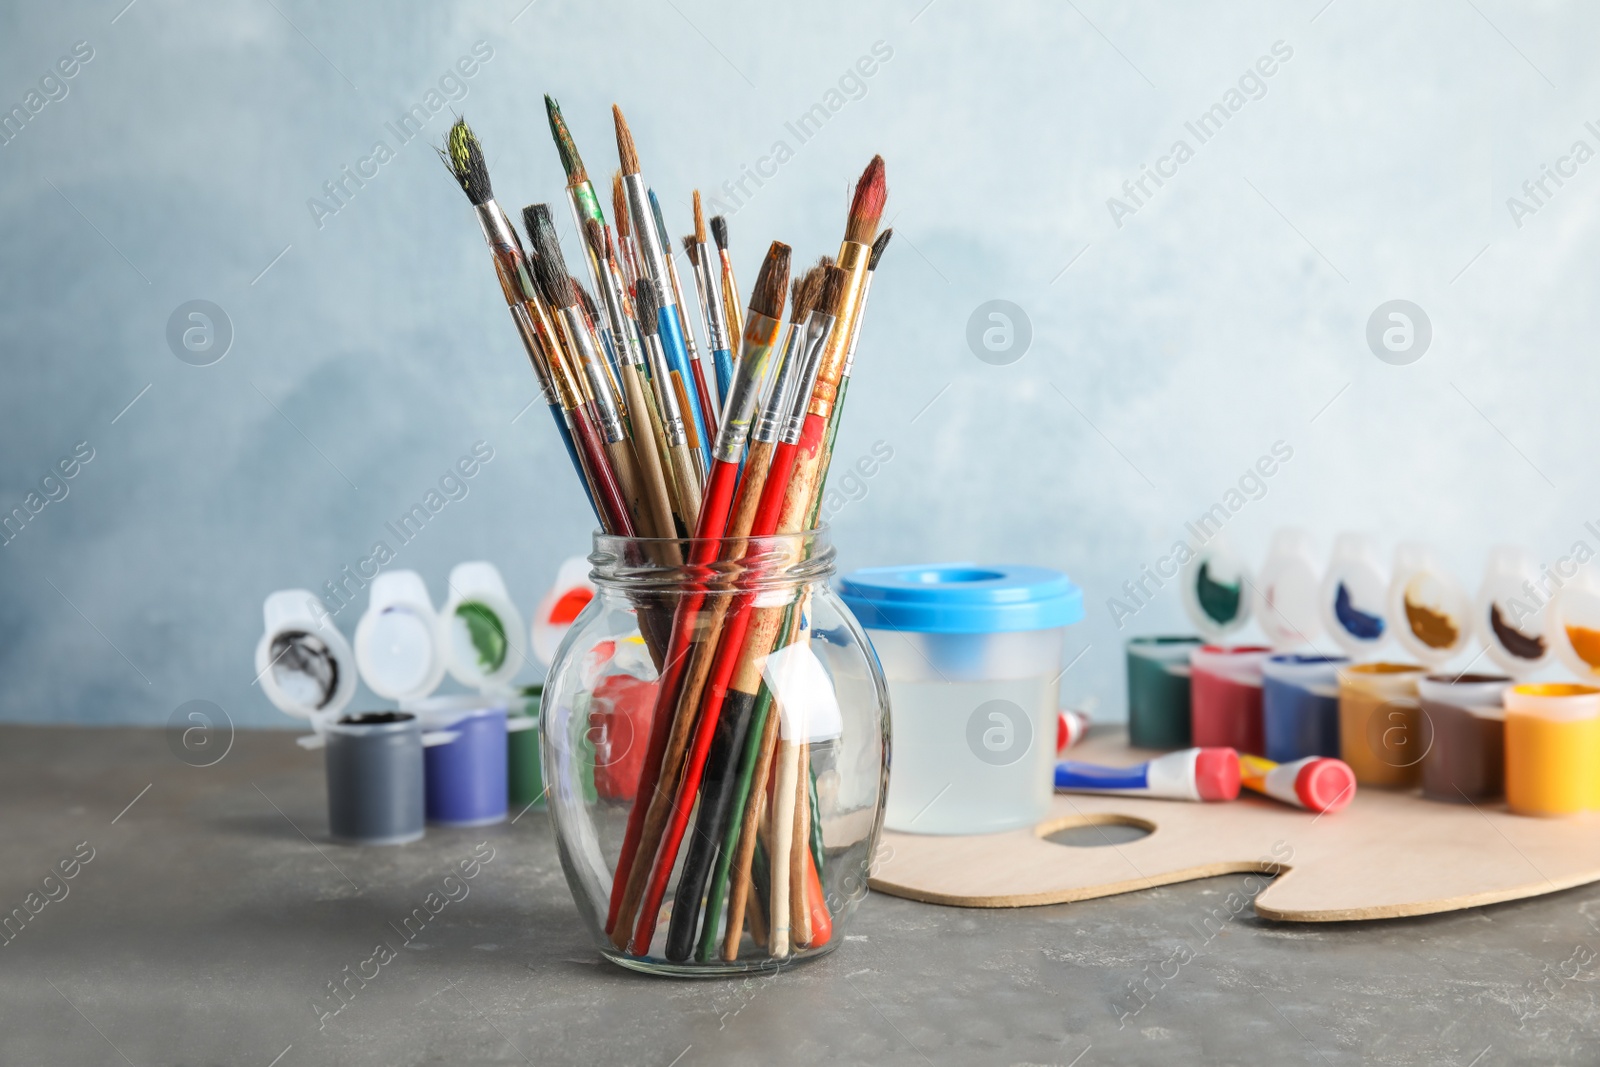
(973, 656)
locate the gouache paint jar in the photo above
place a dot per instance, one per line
(375, 779)
(973, 657)
(1466, 762)
(1158, 691)
(465, 758)
(1382, 735)
(1225, 697)
(524, 769)
(1300, 706)
(1552, 749)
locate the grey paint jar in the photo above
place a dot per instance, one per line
(374, 765)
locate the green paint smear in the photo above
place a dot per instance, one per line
(1218, 600)
(487, 632)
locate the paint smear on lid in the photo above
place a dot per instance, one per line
(1219, 600)
(487, 632)
(1359, 624)
(304, 668)
(1586, 643)
(1513, 640)
(1433, 628)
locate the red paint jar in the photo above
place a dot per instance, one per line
(1225, 697)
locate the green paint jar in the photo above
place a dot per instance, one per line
(1158, 691)
(524, 771)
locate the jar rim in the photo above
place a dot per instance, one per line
(722, 563)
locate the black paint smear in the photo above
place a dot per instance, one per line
(1512, 639)
(296, 650)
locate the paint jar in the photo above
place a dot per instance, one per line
(1552, 749)
(524, 772)
(973, 655)
(375, 778)
(751, 851)
(1382, 735)
(1300, 706)
(1158, 691)
(1466, 762)
(465, 758)
(1225, 697)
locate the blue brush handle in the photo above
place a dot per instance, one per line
(723, 359)
(572, 452)
(1071, 774)
(678, 359)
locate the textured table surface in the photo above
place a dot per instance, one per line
(213, 914)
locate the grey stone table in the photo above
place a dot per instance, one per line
(207, 915)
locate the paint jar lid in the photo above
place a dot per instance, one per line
(1216, 585)
(397, 639)
(304, 664)
(1306, 671)
(961, 598)
(1287, 590)
(1172, 652)
(1387, 681)
(1510, 612)
(1563, 702)
(480, 629)
(556, 613)
(1472, 691)
(371, 723)
(442, 712)
(1428, 607)
(1573, 628)
(1238, 663)
(1353, 595)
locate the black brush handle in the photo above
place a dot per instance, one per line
(716, 798)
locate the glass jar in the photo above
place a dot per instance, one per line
(674, 790)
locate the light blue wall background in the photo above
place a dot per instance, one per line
(1167, 355)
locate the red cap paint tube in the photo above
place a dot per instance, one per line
(1190, 774)
(1070, 728)
(1315, 783)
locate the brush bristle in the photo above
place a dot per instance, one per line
(867, 206)
(767, 297)
(625, 149)
(719, 231)
(691, 248)
(549, 266)
(619, 206)
(803, 295)
(594, 235)
(699, 219)
(877, 248)
(647, 304)
(464, 156)
(566, 148)
(590, 308)
(835, 280)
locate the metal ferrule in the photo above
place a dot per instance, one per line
(666, 398)
(647, 237)
(709, 286)
(535, 347)
(584, 206)
(569, 390)
(624, 334)
(744, 394)
(855, 327)
(672, 273)
(819, 327)
(780, 392)
(581, 343)
(853, 259)
(509, 262)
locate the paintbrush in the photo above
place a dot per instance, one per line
(708, 285)
(555, 284)
(680, 686)
(730, 288)
(655, 264)
(727, 658)
(619, 212)
(463, 154)
(708, 403)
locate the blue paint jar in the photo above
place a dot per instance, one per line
(1300, 706)
(464, 758)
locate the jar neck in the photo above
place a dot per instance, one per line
(734, 563)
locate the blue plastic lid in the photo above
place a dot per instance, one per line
(961, 598)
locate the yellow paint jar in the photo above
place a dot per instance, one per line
(1552, 749)
(1382, 735)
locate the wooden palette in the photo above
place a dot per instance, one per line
(1385, 856)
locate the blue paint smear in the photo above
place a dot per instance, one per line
(1355, 621)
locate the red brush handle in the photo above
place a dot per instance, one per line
(607, 493)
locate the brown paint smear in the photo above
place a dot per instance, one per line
(1433, 628)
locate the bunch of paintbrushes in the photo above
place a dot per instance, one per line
(714, 447)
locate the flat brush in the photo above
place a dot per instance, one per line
(555, 284)
(730, 287)
(650, 242)
(708, 285)
(464, 156)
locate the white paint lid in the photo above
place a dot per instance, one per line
(1216, 591)
(397, 639)
(1573, 625)
(1429, 609)
(1354, 594)
(556, 613)
(1511, 622)
(480, 630)
(1288, 589)
(304, 664)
